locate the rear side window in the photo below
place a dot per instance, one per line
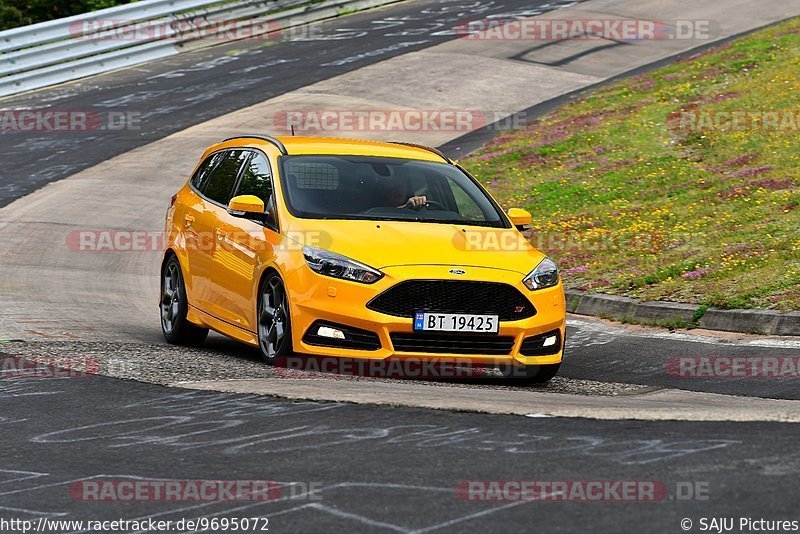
(219, 187)
(256, 179)
(204, 171)
(313, 175)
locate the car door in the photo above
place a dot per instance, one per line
(186, 215)
(245, 245)
(215, 195)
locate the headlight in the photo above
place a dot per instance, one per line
(337, 266)
(544, 275)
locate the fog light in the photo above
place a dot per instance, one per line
(327, 331)
(550, 341)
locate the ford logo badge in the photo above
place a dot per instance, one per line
(457, 271)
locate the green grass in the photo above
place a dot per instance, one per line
(673, 324)
(630, 201)
(16, 13)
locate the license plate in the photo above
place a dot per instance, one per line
(455, 322)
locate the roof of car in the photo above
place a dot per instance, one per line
(326, 145)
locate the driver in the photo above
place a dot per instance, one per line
(395, 190)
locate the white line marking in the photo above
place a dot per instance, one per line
(356, 517)
(467, 517)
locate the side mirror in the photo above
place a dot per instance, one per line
(520, 218)
(247, 207)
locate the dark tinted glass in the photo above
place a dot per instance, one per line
(256, 179)
(220, 185)
(375, 188)
(204, 171)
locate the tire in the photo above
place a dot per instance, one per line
(174, 307)
(274, 321)
(530, 374)
(534, 374)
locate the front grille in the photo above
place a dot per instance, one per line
(453, 296)
(452, 343)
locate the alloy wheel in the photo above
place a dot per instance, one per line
(273, 318)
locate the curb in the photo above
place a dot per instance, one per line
(656, 405)
(752, 321)
(683, 315)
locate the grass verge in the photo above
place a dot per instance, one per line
(680, 184)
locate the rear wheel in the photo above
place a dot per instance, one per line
(274, 324)
(174, 307)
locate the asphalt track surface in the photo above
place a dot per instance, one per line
(170, 95)
(380, 469)
(597, 351)
(611, 353)
(376, 470)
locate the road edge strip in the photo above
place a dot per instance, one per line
(657, 405)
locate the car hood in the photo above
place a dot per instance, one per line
(382, 244)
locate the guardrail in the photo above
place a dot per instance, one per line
(48, 53)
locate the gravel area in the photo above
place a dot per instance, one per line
(221, 359)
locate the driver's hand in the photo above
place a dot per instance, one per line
(417, 202)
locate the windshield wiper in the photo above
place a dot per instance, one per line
(467, 222)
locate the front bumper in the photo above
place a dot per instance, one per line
(345, 303)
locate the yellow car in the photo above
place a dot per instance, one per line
(356, 249)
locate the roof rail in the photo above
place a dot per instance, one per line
(267, 138)
(423, 147)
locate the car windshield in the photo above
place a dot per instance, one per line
(377, 188)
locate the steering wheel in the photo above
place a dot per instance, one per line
(427, 205)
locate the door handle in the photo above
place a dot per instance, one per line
(188, 220)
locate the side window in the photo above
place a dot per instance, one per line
(467, 207)
(220, 185)
(204, 171)
(256, 179)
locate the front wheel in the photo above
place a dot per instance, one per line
(174, 307)
(531, 374)
(274, 324)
